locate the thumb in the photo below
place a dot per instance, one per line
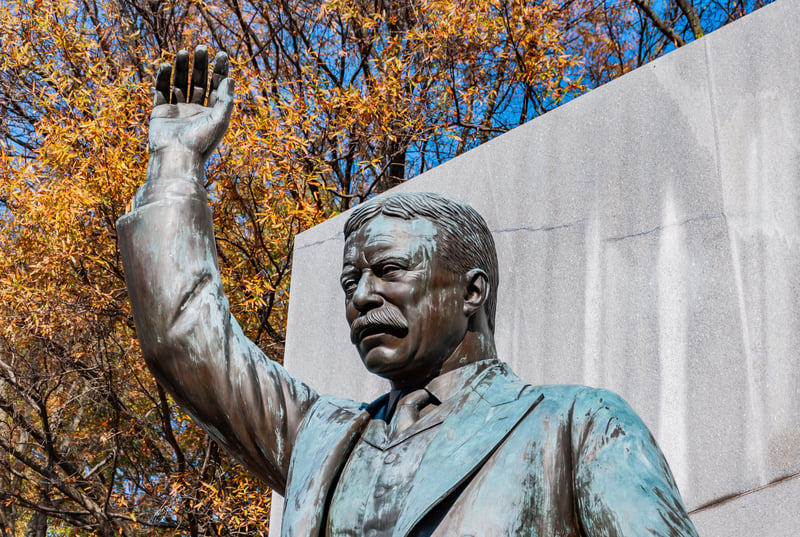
(223, 107)
(208, 131)
(222, 94)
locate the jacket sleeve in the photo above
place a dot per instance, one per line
(623, 484)
(192, 345)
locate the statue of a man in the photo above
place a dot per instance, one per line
(459, 446)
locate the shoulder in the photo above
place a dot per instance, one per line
(333, 412)
(586, 410)
(583, 399)
(331, 405)
(329, 426)
(594, 407)
(501, 383)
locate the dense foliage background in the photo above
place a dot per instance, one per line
(337, 100)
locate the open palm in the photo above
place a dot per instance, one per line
(188, 122)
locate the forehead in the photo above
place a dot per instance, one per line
(388, 232)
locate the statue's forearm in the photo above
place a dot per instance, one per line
(179, 162)
(173, 164)
(191, 342)
(172, 174)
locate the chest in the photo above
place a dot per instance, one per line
(523, 487)
(492, 463)
(376, 481)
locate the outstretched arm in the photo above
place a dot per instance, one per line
(193, 346)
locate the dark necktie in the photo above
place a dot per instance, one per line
(408, 407)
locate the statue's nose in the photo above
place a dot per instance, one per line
(366, 295)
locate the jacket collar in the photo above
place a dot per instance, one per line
(447, 392)
(493, 405)
(325, 441)
(489, 411)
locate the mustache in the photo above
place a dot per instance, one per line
(385, 319)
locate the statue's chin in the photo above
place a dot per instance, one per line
(384, 355)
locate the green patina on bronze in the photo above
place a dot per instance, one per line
(488, 455)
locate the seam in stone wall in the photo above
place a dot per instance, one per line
(338, 237)
(727, 499)
(537, 229)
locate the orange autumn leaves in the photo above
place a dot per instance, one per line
(336, 100)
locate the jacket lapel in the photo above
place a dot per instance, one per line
(496, 402)
(323, 445)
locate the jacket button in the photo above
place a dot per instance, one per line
(389, 458)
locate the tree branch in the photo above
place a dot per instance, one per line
(691, 16)
(665, 29)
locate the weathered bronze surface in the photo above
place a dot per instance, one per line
(470, 448)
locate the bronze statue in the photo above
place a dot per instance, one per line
(459, 446)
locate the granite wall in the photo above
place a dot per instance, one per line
(649, 243)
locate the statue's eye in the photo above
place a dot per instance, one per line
(390, 269)
(349, 285)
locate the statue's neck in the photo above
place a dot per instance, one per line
(474, 347)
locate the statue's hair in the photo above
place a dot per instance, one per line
(463, 239)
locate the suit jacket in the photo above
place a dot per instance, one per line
(515, 460)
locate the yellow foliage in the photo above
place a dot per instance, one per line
(337, 100)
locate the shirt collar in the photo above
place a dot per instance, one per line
(453, 382)
(448, 384)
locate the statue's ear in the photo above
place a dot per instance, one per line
(477, 291)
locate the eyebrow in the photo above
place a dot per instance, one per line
(348, 269)
(380, 257)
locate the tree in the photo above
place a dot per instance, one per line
(338, 99)
(661, 26)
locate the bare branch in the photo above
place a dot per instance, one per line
(664, 28)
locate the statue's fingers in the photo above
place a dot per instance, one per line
(197, 93)
(221, 66)
(181, 78)
(163, 77)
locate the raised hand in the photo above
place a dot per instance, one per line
(184, 128)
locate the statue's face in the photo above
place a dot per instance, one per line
(406, 311)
